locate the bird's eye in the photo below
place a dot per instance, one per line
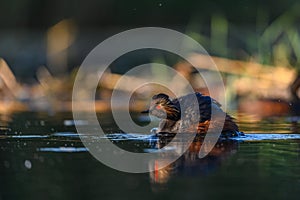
(158, 106)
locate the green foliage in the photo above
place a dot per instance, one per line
(273, 41)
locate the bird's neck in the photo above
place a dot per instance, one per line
(173, 113)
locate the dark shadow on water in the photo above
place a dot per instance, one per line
(189, 164)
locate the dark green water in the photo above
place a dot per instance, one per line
(41, 157)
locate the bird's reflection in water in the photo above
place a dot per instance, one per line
(189, 164)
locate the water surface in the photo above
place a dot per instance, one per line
(42, 157)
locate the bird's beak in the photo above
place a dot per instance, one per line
(145, 111)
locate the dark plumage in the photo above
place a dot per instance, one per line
(169, 112)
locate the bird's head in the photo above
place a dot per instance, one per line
(162, 107)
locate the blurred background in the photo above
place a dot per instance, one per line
(255, 45)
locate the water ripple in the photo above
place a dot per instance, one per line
(263, 137)
(63, 149)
